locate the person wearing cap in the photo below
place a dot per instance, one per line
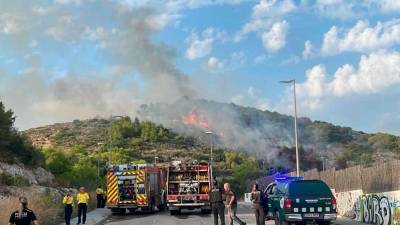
(68, 202)
(83, 200)
(256, 199)
(100, 197)
(23, 216)
(217, 204)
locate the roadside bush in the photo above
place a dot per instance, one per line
(47, 211)
(9, 180)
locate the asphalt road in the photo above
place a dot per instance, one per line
(191, 218)
(164, 218)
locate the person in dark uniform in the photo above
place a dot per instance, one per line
(257, 205)
(23, 216)
(217, 205)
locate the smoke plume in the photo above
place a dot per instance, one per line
(127, 67)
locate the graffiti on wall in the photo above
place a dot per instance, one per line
(376, 210)
(382, 208)
(346, 202)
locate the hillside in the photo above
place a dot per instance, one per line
(267, 135)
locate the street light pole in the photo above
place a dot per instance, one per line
(98, 158)
(211, 155)
(295, 124)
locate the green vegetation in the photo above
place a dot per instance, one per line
(79, 146)
(241, 170)
(128, 141)
(9, 180)
(15, 147)
(75, 166)
(385, 142)
(363, 153)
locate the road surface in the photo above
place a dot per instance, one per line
(190, 218)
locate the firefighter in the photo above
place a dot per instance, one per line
(68, 202)
(217, 205)
(23, 216)
(257, 205)
(100, 197)
(83, 200)
(231, 205)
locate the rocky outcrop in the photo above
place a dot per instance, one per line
(33, 175)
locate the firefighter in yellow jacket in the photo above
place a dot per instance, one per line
(100, 197)
(83, 200)
(68, 202)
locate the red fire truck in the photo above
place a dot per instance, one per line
(188, 185)
(133, 187)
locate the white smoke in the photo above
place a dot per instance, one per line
(133, 68)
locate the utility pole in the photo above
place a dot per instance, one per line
(98, 158)
(155, 157)
(295, 123)
(211, 156)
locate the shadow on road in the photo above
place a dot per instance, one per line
(133, 215)
(186, 213)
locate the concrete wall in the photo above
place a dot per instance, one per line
(375, 208)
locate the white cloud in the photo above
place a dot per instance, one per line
(264, 14)
(294, 59)
(362, 37)
(66, 28)
(375, 73)
(387, 5)
(238, 59)
(308, 50)
(252, 97)
(10, 24)
(275, 38)
(41, 10)
(168, 11)
(347, 10)
(337, 9)
(200, 46)
(67, 2)
(260, 59)
(221, 65)
(214, 63)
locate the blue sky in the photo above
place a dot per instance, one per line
(67, 59)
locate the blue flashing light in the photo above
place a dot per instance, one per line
(283, 178)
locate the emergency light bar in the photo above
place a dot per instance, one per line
(287, 178)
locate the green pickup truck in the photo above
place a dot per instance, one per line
(292, 200)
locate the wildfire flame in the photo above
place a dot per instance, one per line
(193, 119)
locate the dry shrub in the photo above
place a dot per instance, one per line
(47, 211)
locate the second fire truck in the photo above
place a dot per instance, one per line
(188, 185)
